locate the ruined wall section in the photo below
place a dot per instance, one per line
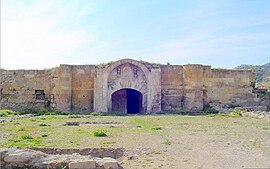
(63, 88)
(172, 88)
(82, 97)
(17, 90)
(194, 86)
(232, 87)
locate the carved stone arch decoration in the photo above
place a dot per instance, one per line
(127, 75)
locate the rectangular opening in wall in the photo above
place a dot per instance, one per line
(40, 94)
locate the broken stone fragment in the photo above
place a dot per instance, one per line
(89, 164)
(108, 163)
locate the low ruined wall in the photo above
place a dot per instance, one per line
(25, 158)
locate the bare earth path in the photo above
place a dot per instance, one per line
(165, 142)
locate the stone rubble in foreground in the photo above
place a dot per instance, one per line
(19, 158)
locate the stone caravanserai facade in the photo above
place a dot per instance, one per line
(126, 86)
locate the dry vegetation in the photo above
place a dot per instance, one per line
(163, 141)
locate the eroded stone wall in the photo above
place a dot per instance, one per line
(231, 87)
(172, 88)
(82, 89)
(18, 87)
(87, 88)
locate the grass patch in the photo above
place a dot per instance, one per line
(43, 124)
(44, 135)
(235, 113)
(99, 133)
(134, 131)
(6, 113)
(21, 129)
(26, 136)
(40, 112)
(156, 128)
(210, 110)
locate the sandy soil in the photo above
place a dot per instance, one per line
(218, 144)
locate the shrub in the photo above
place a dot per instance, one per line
(99, 133)
(26, 136)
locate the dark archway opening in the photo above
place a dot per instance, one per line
(127, 101)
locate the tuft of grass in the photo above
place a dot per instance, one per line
(26, 136)
(6, 113)
(156, 128)
(236, 113)
(40, 112)
(94, 114)
(21, 129)
(43, 124)
(44, 135)
(167, 142)
(99, 133)
(210, 110)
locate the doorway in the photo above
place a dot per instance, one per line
(127, 101)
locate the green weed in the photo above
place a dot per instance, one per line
(26, 136)
(42, 124)
(6, 113)
(44, 135)
(156, 128)
(99, 133)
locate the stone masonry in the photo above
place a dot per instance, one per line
(128, 86)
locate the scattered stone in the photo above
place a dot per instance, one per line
(92, 123)
(90, 164)
(108, 163)
(26, 158)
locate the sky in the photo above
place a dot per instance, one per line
(38, 34)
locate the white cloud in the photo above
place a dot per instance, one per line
(37, 40)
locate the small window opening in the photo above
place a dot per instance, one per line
(118, 71)
(40, 94)
(135, 72)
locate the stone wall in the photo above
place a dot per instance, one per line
(82, 89)
(67, 88)
(18, 87)
(231, 87)
(172, 88)
(194, 87)
(87, 88)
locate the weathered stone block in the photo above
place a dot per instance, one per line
(108, 163)
(89, 164)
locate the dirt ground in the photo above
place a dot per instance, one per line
(157, 142)
(222, 143)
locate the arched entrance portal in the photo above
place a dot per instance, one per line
(127, 101)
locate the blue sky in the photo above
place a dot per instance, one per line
(37, 34)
